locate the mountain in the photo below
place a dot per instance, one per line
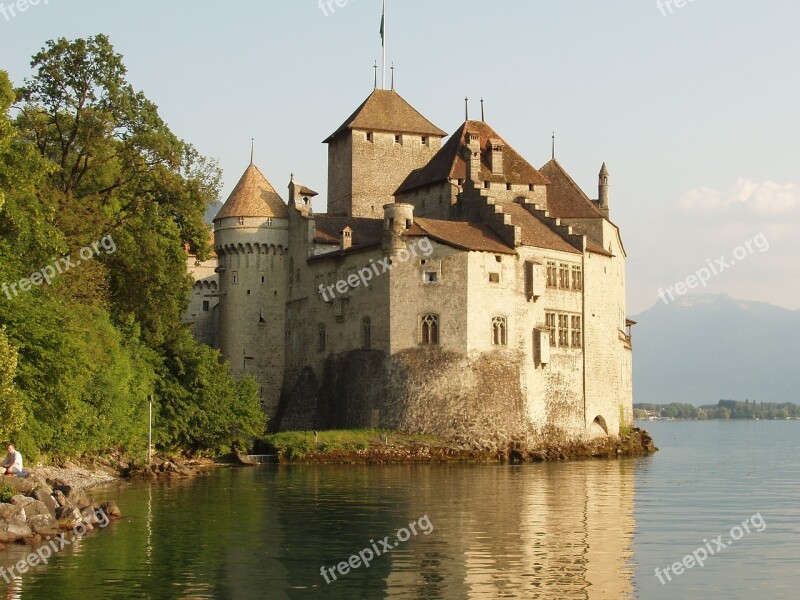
(706, 347)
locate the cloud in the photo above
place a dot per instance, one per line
(746, 197)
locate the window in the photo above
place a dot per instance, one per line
(529, 279)
(552, 274)
(563, 330)
(263, 279)
(241, 220)
(530, 187)
(563, 276)
(431, 277)
(486, 184)
(577, 278)
(494, 277)
(369, 136)
(321, 337)
(366, 329)
(508, 186)
(429, 329)
(550, 325)
(269, 221)
(205, 305)
(234, 277)
(576, 332)
(397, 139)
(424, 140)
(499, 331)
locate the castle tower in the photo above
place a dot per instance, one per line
(374, 150)
(251, 236)
(602, 190)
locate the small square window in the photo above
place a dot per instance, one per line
(494, 277)
(205, 305)
(248, 292)
(431, 277)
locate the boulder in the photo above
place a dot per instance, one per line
(12, 511)
(74, 496)
(60, 498)
(35, 508)
(44, 495)
(111, 510)
(43, 525)
(20, 500)
(68, 517)
(13, 530)
(23, 485)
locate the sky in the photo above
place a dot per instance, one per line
(693, 104)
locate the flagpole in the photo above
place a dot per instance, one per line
(383, 43)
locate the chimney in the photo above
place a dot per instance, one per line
(473, 156)
(496, 156)
(346, 238)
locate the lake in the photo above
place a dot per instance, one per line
(583, 529)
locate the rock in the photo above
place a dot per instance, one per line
(43, 525)
(111, 510)
(36, 508)
(44, 495)
(20, 500)
(12, 511)
(60, 498)
(68, 517)
(13, 530)
(74, 496)
(23, 485)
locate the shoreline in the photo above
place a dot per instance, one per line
(402, 448)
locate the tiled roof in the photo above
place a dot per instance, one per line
(565, 199)
(459, 234)
(365, 231)
(535, 232)
(386, 110)
(253, 196)
(450, 164)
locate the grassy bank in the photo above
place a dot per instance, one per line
(379, 446)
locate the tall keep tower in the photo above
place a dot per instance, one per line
(251, 237)
(374, 150)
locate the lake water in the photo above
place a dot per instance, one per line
(588, 529)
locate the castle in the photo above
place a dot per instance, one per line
(451, 288)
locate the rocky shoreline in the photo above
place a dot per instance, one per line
(52, 500)
(635, 443)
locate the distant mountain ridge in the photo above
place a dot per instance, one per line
(706, 347)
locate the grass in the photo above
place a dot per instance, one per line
(294, 445)
(7, 491)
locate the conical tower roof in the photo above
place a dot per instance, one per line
(253, 196)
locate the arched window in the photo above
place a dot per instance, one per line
(321, 338)
(499, 331)
(366, 330)
(429, 329)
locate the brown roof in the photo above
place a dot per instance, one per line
(450, 164)
(365, 231)
(535, 232)
(565, 199)
(253, 196)
(459, 234)
(385, 110)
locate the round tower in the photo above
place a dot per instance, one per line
(251, 237)
(602, 189)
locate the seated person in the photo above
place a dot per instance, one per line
(12, 464)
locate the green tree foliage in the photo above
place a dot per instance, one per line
(84, 158)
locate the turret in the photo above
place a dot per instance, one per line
(397, 218)
(602, 190)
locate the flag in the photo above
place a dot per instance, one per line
(383, 20)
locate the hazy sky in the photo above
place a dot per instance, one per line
(695, 110)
